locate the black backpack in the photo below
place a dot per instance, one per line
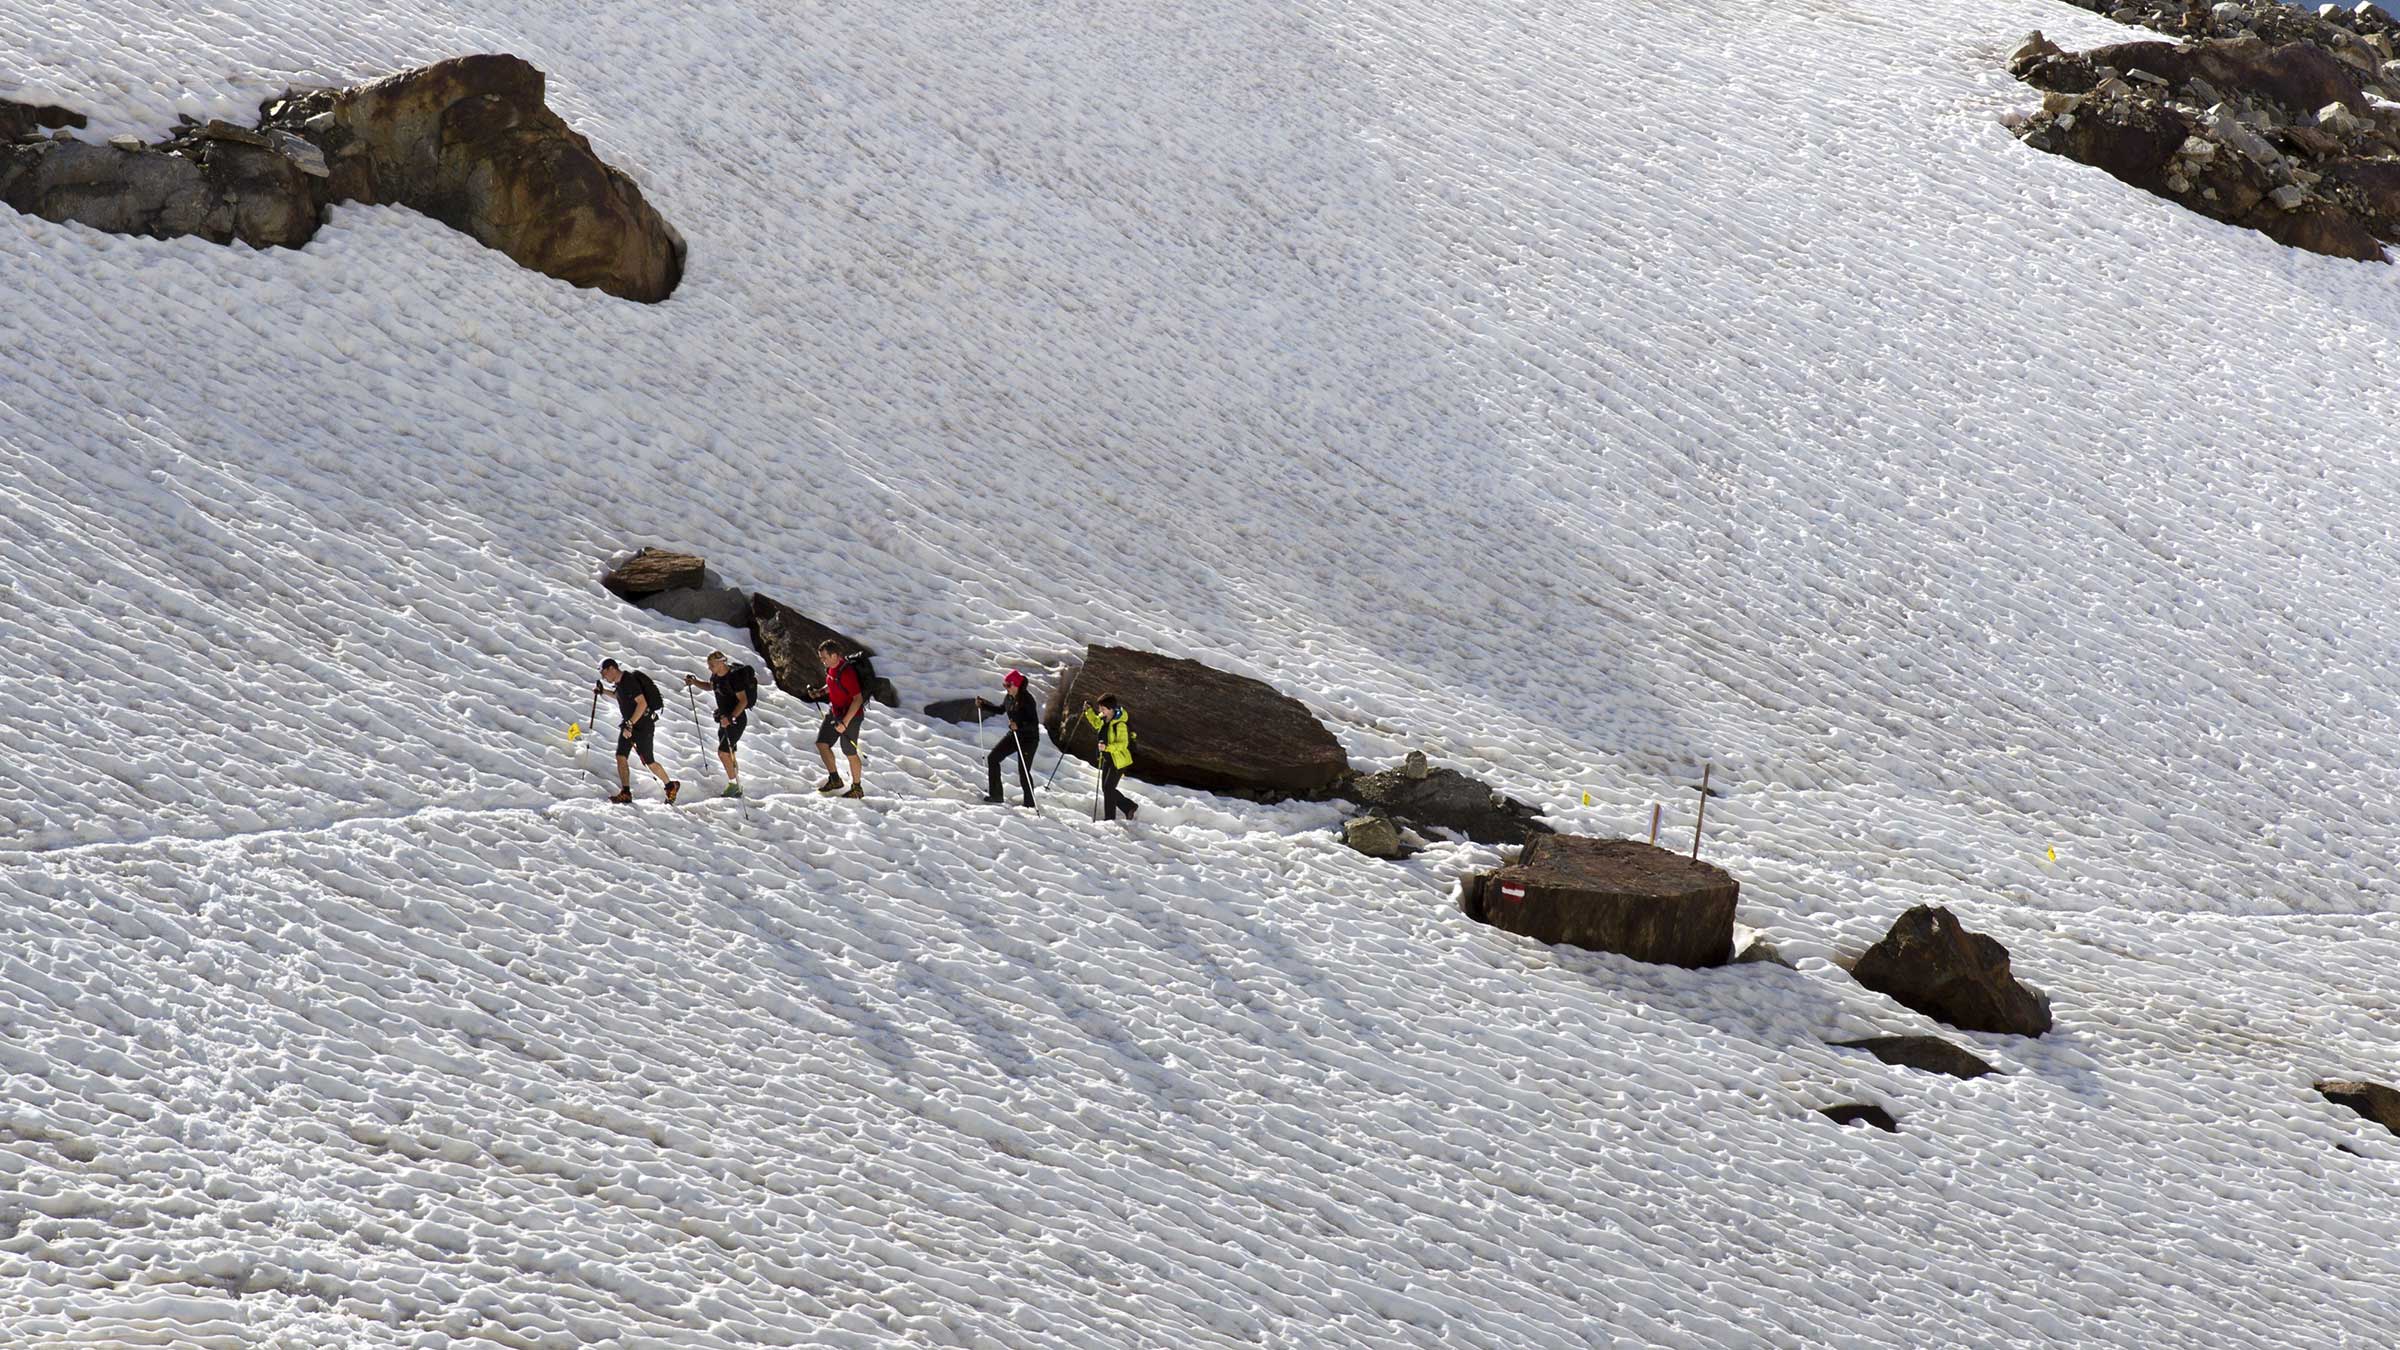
(745, 681)
(862, 664)
(643, 686)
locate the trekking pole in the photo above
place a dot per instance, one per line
(1062, 754)
(692, 700)
(1024, 766)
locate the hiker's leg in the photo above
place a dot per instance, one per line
(999, 753)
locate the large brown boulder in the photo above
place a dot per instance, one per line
(219, 183)
(2372, 1100)
(788, 640)
(1611, 895)
(1931, 963)
(1196, 726)
(472, 143)
(653, 570)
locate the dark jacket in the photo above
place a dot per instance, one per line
(1021, 710)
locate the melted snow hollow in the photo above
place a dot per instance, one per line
(1580, 394)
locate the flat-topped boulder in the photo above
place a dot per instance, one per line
(788, 640)
(1928, 1054)
(652, 570)
(1611, 895)
(2375, 1101)
(1930, 962)
(1200, 727)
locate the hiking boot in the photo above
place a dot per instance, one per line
(731, 790)
(623, 795)
(832, 783)
(856, 790)
(673, 786)
(994, 799)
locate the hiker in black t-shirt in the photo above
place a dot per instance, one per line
(736, 689)
(637, 701)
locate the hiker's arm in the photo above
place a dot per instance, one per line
(741, 701)
(641, 709)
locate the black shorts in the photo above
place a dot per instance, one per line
(730, 734)
(830, 732)
(638, 739)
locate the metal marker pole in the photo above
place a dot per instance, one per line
(1702, 822)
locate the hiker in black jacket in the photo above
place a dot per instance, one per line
(1024, 733)
(638, 702)
(736, 688)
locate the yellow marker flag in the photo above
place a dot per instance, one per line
(2054, 855)
(574, 731)
(1587, 799)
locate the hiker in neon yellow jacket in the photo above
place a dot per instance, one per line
(1107, 718)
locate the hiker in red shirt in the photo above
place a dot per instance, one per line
(846, 703)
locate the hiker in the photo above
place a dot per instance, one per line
(1115, 752)
(637, 701)
(736, 688)
(846, 703)
(1024, 733)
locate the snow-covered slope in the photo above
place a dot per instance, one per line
(1579, 393)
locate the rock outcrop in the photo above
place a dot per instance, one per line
(1930, 963)
(957, 710)
(2375, 1101)
(1612, 895)
(652, 570)
(470, 142)
(788, 639)
(1425, 798)
(2262, 117)
(217, 182)
(1861, 1113)
(712, 601)
(1196, 726)
(20, 120)
(1930, 1054)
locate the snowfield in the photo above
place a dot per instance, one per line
(1580, 394)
